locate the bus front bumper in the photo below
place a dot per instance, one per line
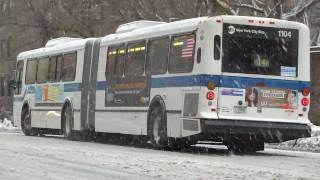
(271, 132)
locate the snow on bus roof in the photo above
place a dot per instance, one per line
(153, 28)
(55, 46)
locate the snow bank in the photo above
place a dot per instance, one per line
(6, 126)
(303, 144)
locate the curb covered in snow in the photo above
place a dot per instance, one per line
(311, 144)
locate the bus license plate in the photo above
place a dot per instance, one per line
(239, 109)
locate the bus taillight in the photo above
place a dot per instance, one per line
(306, 91)
(305, 101)
(211, 85)
(210, 95)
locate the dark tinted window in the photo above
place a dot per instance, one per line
(59, 67)
(69, 67)
(31, 73)
(182, 54)
(260, 50)
(115, 60)
(136, 58)
(2, 93)
(55, 68)
(111, 61)
(217, 47)
(52, 69)
(157, 57)
(19, 77)
(43, 70)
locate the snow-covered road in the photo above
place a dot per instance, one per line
(27, 158)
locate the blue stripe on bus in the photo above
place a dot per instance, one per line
(226, 81)
(198, 80)
(243, 82)
(101, 85)
(72, 87)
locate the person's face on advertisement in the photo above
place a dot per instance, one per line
(252, 96)
(291, 98)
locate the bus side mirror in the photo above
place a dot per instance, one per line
(13, 84)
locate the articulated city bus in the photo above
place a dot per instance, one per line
(241, 80)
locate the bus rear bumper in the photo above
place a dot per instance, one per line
(271, 132)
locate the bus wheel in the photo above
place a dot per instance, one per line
(26, 123)
(158, 127)
(67, 119)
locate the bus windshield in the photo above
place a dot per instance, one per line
(260, 50)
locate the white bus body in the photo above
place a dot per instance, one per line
(227, 90)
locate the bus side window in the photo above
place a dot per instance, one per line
(111, 61)
(182, 54)
(52, 69)
(43, 69)
(217, 47)
(121, 55)
(19, 77)
(69, 67)
(31, 73)
(115, 60)
(136, 58)
(157, 56)
(59, 67)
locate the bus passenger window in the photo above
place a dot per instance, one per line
(182, 54)
(136, 59)
(115, 60)
(121, 54)
(43, 69)
(59, 68)
(111, 60)
(157, 56)
(52, 69)
(217, 47)
(69, 67)
(31, 73)
(19, 77)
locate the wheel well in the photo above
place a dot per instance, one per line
(156, 101)
(24, 106)
(66, 103)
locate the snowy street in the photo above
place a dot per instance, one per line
(52, 157)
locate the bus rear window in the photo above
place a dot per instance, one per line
(260, 50)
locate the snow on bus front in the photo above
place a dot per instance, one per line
(259, 74)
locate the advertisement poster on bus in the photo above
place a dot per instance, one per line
(49, 93)
(264, 97)
(128, 91)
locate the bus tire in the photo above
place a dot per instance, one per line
(26, 122)
(157, 126)
(67, 122)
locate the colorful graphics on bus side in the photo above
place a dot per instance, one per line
(49, 93)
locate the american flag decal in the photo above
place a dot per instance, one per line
(187, 49)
